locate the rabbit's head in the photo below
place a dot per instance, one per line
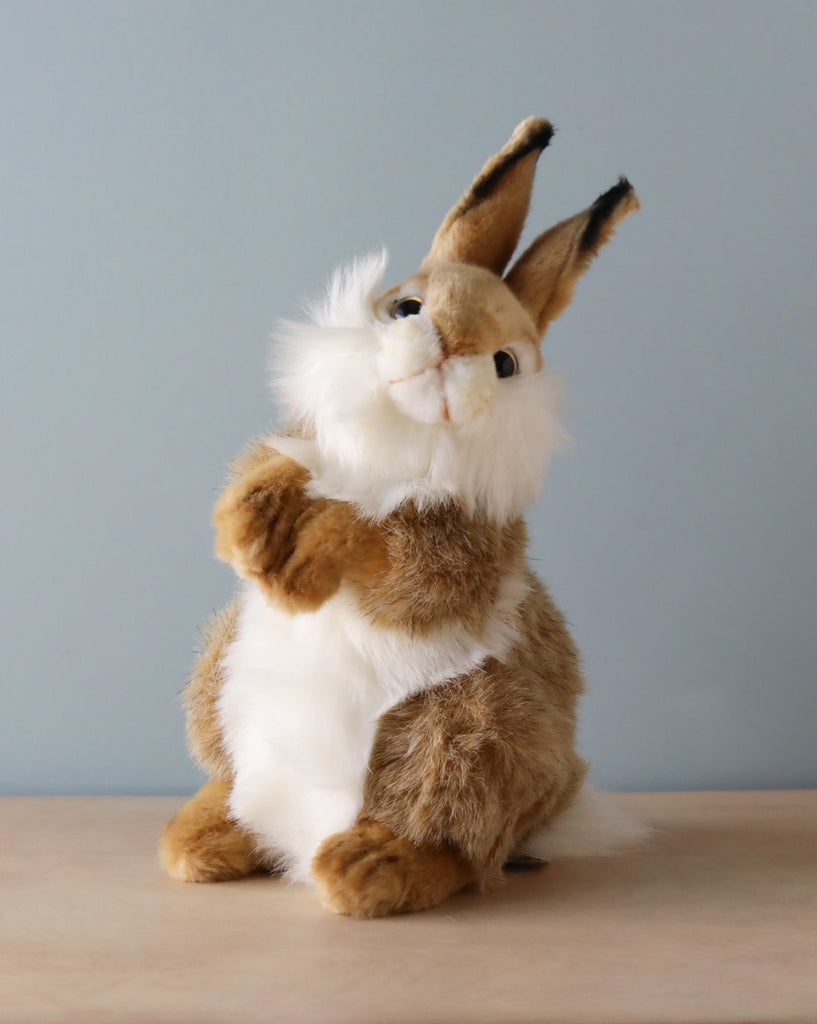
(435, 389)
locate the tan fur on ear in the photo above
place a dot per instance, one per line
(544, 276)
(484, 227)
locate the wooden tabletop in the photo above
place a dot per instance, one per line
(716, 921)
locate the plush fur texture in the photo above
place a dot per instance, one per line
(484, 227)
(302, 697)
(590, 826)
(483, 763)
(204, 736)
(203, 844)
(368, 871)
(544, 276)
(389, 707)
(295, 548)
(389, 423)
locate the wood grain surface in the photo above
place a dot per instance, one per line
(715, 921)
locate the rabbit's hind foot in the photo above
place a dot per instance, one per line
(367, 871)
(202, 844)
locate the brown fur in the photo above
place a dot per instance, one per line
(544, 276)
(461, 773)
(297, 548)
(367, 871)
(471, 309)
(442, 566)
(485, 760)
(204, 738)
(412, 570)
(483, 228)
(258, 513)
(474, 312)
(476, 765)
(202, 844)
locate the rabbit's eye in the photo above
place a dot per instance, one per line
(407, 307)
(506, 363)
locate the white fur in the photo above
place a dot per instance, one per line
(390, 418)
(376, 397)
(425, 385)
(300, 702)
(592, 826)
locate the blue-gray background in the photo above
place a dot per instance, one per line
(175, 176)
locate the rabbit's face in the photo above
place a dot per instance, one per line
(445, 398)
(449, 337)
(436, 390)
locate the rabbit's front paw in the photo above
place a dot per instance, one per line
(324, 551)
(258, 518)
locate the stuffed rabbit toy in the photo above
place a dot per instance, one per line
(388, 708)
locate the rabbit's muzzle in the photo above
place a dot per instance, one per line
(426, 382)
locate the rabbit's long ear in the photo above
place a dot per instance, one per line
(544, 276)
(484, 227)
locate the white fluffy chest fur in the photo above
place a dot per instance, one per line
(300, 702)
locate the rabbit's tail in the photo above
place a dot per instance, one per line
(592, 826)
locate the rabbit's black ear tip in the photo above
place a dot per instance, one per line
(533, 133)
(611, 198)
(603, 210)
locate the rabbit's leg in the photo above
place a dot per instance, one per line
(458, 774)
(297, 548)
(367, 871)
(202, 843)
(258, 514)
